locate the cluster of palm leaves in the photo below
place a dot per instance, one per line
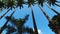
(12, 3)
(20, 3)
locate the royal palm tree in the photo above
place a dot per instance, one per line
(4, 26)
(10, 2)
(53, 2)
(51, 22)
(10, 5)
(48, 7)
(30, 3)
(45, 14)
(53, 10)
(34, 23)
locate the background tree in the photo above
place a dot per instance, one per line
(20, 25)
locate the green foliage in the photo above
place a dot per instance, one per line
(12, 3)
(19, 24)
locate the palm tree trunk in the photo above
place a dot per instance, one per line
(34, 23)
(5, 13)
(53, 10)
(4, 26)
(45, 13)
(57, 5)
(58, 1)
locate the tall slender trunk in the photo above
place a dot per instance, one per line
(58, 1)
(45, 13)
(34, 23)
(4, 26)
(53, 10)
(5, 13)
(57, 5)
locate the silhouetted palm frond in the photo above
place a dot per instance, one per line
(40, 2)
(9, 17)
(20, 3)
(10, 3)
(53, 10)
(31, 2)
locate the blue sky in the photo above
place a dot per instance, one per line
(41, 21)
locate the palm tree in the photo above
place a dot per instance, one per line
(48, 7)
(5, 13)
(53, 2)
(10, 5)
(34, 23)
(45, 14)
(55, 20)
(30, 3)
(53, 10)
(41, 2)
(4, 26)
(51, 22)
(57, 5)
(48, 18)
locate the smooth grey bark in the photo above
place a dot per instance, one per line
(34, 23)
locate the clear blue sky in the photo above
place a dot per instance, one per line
(41, 21)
